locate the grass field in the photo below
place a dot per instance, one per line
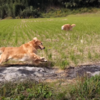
(83, 89)
(63, 48)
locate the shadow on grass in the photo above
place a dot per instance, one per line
(47, 64)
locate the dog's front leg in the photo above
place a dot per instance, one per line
(36, 58)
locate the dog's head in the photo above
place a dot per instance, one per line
(38, 44)
(73, 25)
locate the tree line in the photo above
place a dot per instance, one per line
(26, 8)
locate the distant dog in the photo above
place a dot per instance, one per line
(67, 27)
(25, 52)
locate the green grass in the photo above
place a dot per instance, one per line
(63, 48)
(27, 90)
(83, 89)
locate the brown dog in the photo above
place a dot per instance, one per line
(26, 52)
(67, 27)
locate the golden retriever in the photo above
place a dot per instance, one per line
(25, 52)
(67, 27)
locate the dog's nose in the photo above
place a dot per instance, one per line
(44, 48)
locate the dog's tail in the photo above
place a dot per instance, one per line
(62, 27)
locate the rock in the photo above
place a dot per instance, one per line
(21, 73)
(10, 76)
(39, 74)
(96, 73)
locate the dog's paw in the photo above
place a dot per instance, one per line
(43, 59)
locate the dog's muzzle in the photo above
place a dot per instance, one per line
(42, 48)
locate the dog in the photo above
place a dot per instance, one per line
(25, 52)
(68, 27)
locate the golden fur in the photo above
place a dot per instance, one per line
(25, 52)
(67, 27)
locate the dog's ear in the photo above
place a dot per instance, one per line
(35, 39)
